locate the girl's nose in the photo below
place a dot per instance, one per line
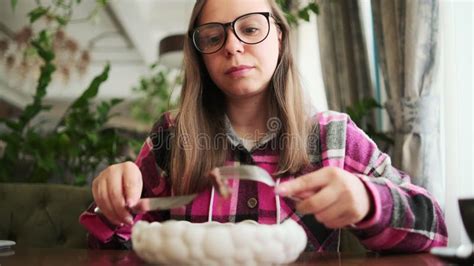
(233, 45)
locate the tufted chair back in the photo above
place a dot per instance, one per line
(43, 215)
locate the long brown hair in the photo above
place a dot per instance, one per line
(201, 115)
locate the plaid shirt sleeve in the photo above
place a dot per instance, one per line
(405, 217)
(103, 234)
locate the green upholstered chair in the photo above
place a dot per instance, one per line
(43, 215)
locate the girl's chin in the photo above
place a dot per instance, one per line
(243, 89)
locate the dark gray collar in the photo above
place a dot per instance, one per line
(235, 140)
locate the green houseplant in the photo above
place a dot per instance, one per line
(294, 14)
(76, 147)
(360, 113)
(155, 93)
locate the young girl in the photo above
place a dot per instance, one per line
(241, 103)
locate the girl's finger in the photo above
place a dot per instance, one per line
(332, 213)
(307, 183)
(319, 201)
(103, 202)
(325, 198)
(132, 183)
(117, 199)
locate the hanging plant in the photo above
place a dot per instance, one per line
(293, 15)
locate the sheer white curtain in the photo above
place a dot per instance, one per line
(457, 85)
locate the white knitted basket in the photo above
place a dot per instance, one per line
(212, 243)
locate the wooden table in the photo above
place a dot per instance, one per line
(52, 257)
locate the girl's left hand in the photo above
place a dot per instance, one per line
(334, 196)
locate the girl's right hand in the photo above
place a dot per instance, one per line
(116, 188)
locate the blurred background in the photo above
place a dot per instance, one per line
(402, 69)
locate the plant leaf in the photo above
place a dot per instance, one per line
(93, 89)
(37, 13)
(61, 20)
(13, 4)
(115, 101)
(314, 7)
(292, 20)
(13, 125)
(370, 103)
(102, 2)
(304, 14)
(80, 180)
(42, 46)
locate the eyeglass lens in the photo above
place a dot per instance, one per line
(250, 29)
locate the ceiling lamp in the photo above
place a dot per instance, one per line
(171, 51)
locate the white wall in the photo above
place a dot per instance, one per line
(457, 85)
(309, 64)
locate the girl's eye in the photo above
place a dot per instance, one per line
(251, 30)
(210, 40)
(213, 40)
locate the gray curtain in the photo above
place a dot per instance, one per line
(406, 35)
(343, 52)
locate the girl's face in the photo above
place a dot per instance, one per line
(241, 70)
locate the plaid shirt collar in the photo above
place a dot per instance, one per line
(235, 140)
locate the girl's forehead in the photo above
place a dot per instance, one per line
(227, 10)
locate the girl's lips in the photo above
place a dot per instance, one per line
(238, 71)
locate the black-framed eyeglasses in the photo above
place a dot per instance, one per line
(251, 28)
